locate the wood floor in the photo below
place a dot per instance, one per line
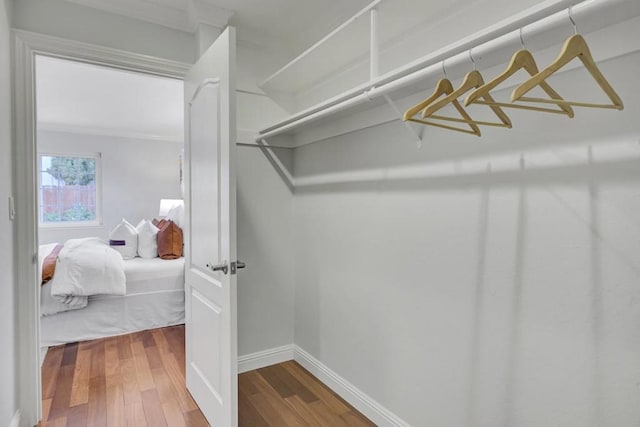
(138, 380)
(288, 395)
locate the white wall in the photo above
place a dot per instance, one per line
(462, 288)
(264, 206)
(254, 64)
(265, 233)
(136, 174)
(8, 398)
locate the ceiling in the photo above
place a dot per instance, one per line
(264, 22)
(86, 98)
(295, 22)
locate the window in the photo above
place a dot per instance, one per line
(69, 190)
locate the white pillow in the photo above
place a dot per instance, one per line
(176, 214)
(147, 239)
(124, 239)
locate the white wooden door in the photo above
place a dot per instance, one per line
(210, 237)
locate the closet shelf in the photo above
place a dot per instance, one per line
(545, 25)
(310, 66)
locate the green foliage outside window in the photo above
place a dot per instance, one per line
(77, 212)
(73, 170)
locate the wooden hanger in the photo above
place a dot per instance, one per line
(443, 87)
(521, 60)
(472, 80)
(574, 47)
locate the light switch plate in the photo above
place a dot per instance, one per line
(12, 209)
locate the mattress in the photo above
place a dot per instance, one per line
(154, 299)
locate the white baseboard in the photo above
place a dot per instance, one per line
(358, 399)
(15, 421)
(264, 358)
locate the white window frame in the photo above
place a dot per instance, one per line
(97, 222)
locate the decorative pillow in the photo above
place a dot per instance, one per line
(170, 241)
(147, 239)
(159, 223)
(124, 239)
(176, 214)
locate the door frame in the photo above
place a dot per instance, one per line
(25, 46)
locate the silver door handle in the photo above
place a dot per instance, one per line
(224, 267)
(237, 265)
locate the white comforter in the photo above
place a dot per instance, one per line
(48, 304)
(85, 267)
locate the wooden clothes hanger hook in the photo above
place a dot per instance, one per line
(472, 60)
(444, 70)
(522, 39)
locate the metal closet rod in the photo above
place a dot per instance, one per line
(541, 18)
(246, 144)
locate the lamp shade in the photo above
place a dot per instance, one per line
(167, 204)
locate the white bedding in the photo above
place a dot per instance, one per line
(48, 304)
(154, 298)
(87, 267)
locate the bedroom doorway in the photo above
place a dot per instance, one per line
(100, 287)
(109, 148)
(109, 153)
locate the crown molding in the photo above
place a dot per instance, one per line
(115, 133)
(184, 15)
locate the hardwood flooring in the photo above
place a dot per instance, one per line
(139, 380)
(288, 395)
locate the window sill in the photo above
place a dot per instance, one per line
(70, 225)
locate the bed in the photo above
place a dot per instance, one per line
(154, 298)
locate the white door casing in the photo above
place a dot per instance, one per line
(210, 232)
(25, 47)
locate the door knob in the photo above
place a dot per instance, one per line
(224, 267)
(237, 265)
